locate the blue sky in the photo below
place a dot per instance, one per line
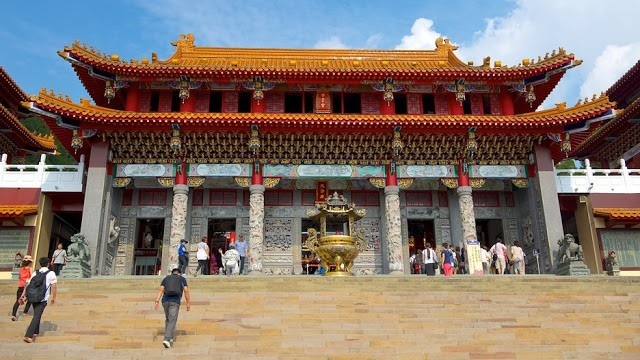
(603, 35)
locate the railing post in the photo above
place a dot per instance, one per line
(590, 178)
(3, 167)
(625, 175)
(41, 164)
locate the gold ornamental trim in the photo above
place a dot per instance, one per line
(405, 183)
(195, 181)
(271, 182)
(121, 182)
(377, 182)
(477, 183)
(166, 181)
(243, 182)
(450, 183)
(520, 183)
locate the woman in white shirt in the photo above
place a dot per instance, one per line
(202, 255)
(430, 260)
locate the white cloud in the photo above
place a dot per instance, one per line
(422, 36)
(333, 42)
(536, 27)
(373, 41)
(612, 63)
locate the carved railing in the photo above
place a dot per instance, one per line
(590, 180)
(49, 178)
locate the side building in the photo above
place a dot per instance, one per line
(229, 142)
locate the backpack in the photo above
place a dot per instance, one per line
(173, 285)
(37, 288)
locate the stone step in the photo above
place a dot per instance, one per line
(409, 317)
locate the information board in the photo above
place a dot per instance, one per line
(626, 244)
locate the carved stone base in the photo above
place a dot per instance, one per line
(15, 273)
(614, 271)
(76, 270)
(573, 268)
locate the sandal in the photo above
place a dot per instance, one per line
(13, 318)
(28, 340)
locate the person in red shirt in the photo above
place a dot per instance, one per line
(24, 275)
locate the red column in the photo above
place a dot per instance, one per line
(463, 176)
(506, 103)
(392, 178)
(258, 106)
(455, 107)
(181, 174)
(189, 104)
(133, 98)
(387, 107)
(256, 177)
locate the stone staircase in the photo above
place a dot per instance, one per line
(314, 317)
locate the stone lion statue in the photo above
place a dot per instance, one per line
(79, 249)
(569, 250)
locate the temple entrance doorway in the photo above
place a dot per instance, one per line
(220, 232)
(420, 233)
(147, 253)
(487, 230)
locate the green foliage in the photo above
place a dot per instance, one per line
(567, 164)
(37, 126)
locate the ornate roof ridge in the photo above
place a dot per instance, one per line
(9, 80)
(558, 116)
(188, 55)
(605, 129)
(36, 139)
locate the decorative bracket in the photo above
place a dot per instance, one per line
(121, 182)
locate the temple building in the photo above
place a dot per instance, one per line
(237, 142)
(30, 194)
(600, 201)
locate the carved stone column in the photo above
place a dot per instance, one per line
(469, 236)
(394, 231)
(256, 228)
(178, 223)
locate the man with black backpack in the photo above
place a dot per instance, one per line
(170, 292)
(41, 287)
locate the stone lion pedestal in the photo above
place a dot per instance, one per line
(79, 263)
(570, 260)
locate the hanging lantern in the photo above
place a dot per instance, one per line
(109, 91)
(76, 141)
(175, 143)
(397, 145)
(184, 86)
(565, 146)
(461, 89)
(258, 87)
(254, 140)
(530, 96)
(472, 144)
(388, 88)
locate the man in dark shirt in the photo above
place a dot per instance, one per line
(171, 305)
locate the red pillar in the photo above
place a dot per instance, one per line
(387, 107)
(506, 103)
(256, 177)
(189, 104)
(133, 98)
(392, 178)
(463, 176)
(258, 106)
(181, 174)
(455, 107)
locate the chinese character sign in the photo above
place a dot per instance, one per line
(322, 192)
(474, 259)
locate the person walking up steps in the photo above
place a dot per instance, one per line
(23, 276)
(170, 292)
(39, 289)
(203, 257)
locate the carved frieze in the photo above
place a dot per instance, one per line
(121, 182)
(195, 181)
(166, 181)
(377, 182)
(520, 183)
(243, 182)
(278, 234)
(450, 183)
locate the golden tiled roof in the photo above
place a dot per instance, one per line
(192, 60)
(618, 213)
(92, 116)
(42, 141)
(17, 210)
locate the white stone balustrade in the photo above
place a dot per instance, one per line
(49, 178)
(590, 180)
